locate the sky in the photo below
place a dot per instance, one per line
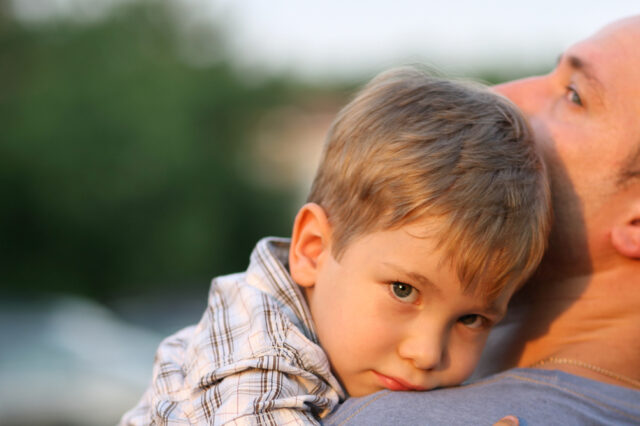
(342, 38)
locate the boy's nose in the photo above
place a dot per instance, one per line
(425, 350)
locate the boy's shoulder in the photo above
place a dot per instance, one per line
(248, 350)
(257, 313)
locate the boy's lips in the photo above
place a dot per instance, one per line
(395, 384)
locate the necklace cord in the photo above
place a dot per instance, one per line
(577, 363)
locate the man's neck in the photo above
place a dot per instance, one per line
(593, 319)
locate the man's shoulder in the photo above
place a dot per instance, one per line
(535, 396)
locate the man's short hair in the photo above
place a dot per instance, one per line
(412, 146)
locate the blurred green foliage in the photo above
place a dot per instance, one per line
(123, 161)
(120, 162)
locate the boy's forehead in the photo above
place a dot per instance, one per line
(436, 228)
(421, 249)
(426, 226)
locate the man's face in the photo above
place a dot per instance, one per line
(586, 118)
(390, 314)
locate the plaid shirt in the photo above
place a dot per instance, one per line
(254, 358)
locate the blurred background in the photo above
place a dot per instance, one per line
(145, 146)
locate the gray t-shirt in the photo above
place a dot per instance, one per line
(536, 397)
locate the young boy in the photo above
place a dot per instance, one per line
(429, 208)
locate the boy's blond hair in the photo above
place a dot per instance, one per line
(411, 146)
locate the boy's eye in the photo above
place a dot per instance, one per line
(404, 292)
(473, 321)
(573, 96)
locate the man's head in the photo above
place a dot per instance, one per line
(425, 185)
(586, 118)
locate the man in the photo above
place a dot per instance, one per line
(574, 331)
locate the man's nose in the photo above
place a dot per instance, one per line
(528, 93)
(425, 350)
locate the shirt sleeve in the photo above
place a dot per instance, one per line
(261, 397)
(242, 365)
(262, 391)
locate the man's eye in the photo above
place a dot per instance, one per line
(404, 292)
(473, 321)
(573, 96)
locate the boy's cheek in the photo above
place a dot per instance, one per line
(465, 357)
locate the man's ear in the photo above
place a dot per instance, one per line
(310, 244)
(626, 236)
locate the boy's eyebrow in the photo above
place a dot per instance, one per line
(490, 308)
(494, 310)
(424, 282)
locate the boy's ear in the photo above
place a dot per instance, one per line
(626, 236)
(310, 243)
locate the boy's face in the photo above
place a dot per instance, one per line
(391, 315)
